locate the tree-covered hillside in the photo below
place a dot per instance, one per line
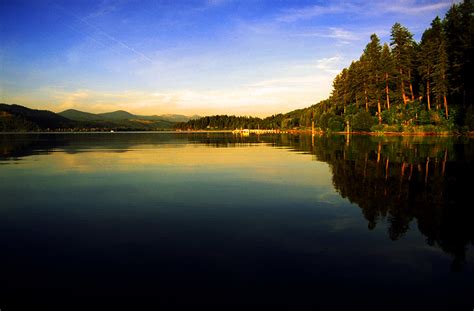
(406, 85)
(19, 118)
(15, 118)
(400, 86)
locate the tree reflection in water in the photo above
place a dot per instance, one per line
(401, 180)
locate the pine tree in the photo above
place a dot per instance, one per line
(403, 47)
(386, 62)
(356, 84)
(372, 55)
(340, 90)
(440, 81)
(459, 29)
(428, 56)
(365, 77)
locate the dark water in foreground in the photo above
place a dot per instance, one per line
(130, 218)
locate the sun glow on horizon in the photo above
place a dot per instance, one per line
(210, 57)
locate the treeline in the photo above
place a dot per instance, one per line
(19, 118)
(406, 85)
(294, 119)
(16, 118)
(400, 86)
(225, 122)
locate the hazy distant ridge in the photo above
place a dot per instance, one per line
(122, 115)
(19, 118)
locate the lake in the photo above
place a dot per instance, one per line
(151, 218)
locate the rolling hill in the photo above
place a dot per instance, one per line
(122, 115)
(77, 115)
(117, 115)
(20, 118)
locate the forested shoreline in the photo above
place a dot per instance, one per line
(399, 86)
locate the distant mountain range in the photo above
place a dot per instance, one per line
(77, 115)
(20, 118)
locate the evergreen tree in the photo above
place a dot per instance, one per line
(340, 91)
(459, 28)
(388, 71)
(441, 64)
(364, 77)
(355, 83)
(372, 55)
(403, 48)
(440, 81)
(428, 56)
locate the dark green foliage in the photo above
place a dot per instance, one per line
(77, 115)
(116, 115)
(336, 123)
(11, 123)
(469, 118)
(429, 59)
(393, 85)
(121, 115)
(19, 118)
(362, 121)
(390, 116)
(323, 120)
(459, 28)
(424, 117)
(224, 122)
(372, 56)
(403, 50)
(15, 117)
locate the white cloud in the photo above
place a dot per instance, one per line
(411, 7)
(303, 85)
(293, 86)
(217, 2)
(340, 34)
(362, 8)
(311, 12)
(105, 7)
(328, 65)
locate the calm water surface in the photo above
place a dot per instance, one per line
(215, 218)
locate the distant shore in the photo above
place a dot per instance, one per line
(262, 132)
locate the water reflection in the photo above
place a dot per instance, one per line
(419, 181)
(405, 179)
(140, 213)
(401, 179)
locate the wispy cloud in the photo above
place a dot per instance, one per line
(363, 8)
(217, 2)
(251, 100)
(411, 7)
(105, 7)
(303, 84)
(326, 65)
(329, 64)
(340, 34)
(293, 15)
(249, 58)
(97, 34)
(117, 41)
(99, 101)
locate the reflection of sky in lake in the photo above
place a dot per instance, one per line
(253, 216)
(258, 172)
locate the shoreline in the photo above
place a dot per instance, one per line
(264, 132)
(442, 134)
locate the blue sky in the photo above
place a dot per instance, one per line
(252, 57)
